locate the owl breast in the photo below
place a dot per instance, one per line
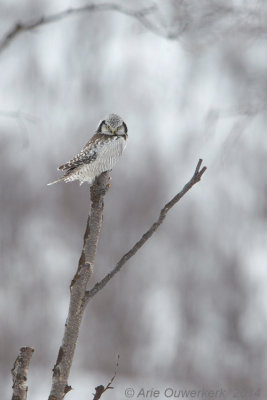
(108, 153)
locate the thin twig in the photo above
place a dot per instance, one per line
(100, 285)
(99, 390)
(20, 373)
(20, 27)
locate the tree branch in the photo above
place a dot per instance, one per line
(147, 235)
(20, 27)
(20, 372)
(99, 390)
(79, 296)
(78, 287)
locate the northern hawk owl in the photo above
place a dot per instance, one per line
(100, 154)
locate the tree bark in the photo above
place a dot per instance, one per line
(78, 288)
(20, 372)
(79, 296)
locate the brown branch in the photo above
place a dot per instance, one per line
(79, 296)
(99, 390)
(20, 372)
(100, 285)
(78, 287)
(20, 27)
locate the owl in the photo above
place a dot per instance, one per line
(100, 154)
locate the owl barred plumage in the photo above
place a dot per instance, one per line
(100, 154)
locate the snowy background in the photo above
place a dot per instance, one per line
(190, 310)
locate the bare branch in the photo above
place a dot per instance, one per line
(100, 285)
(79, 296)
(20, 118)
(99, 390)
(20, 27)
(78, 287)
(18, 115)
(20, 372)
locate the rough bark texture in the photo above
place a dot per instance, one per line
(20, 372)
(78, 287)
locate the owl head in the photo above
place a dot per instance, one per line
(113, 125)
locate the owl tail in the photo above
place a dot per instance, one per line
(58, 180)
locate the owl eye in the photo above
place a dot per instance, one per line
(108, 127)
(122, 128)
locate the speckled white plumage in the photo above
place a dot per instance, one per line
(100, 154)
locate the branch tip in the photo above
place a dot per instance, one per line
(198, 165)
(198, 173)
(202, 171)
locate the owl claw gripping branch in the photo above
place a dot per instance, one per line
(100, 154)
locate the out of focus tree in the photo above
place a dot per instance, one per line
(192, 305)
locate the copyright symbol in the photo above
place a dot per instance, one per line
(129, 392)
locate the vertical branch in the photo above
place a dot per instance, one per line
(20, 372)
(78, 287)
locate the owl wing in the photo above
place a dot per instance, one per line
(87, 155)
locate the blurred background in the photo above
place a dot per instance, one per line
(190, 80)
